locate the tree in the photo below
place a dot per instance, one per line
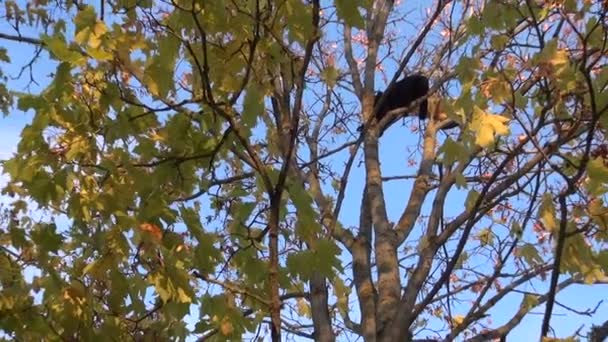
(203, 154)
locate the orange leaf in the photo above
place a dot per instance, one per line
(152, 231)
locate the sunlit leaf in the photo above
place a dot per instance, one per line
(546, 213)
(487, 126)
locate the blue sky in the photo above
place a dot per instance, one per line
(394, 154)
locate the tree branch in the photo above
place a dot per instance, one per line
(21, 39)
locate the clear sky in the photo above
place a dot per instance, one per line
(394, 155)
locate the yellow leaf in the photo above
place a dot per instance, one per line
(100, 28)
(98, 31)
(100, 54)
(82, 36)
(597, 208)
(457, 320)
(559, 58)
(485, 237)
(152, 86)
(497, 89)
(303, 308)
(90, 267)
(487, 126)
(546, 213)
(553, 59)
(593, 275)
(182, 296)
(154, 135)
(530, 301)
(499, 123)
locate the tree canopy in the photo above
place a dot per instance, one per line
(193, 170)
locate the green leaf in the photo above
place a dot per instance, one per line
(61, 51)
(322, 259)
(226, 317)
(516, 229)
(85, 18)
(475, 26)
(530, 254)
(530, 301)
(326, 254)
(349, 11)
(598, 177)
(467, 69)
(252, 267)
(299, 21)
(308, 224)
(300, 264)
(602, 259)
(253, 106)
(460, 180)
(452, 152)
(171, 286)
(498, 42)
(159, 75)
(472, 197)
(4, 55)
(330, 76)
(27, 102)
(462, 259)
(62, 82)
(47, 238)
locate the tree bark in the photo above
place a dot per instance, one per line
(320, 314)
